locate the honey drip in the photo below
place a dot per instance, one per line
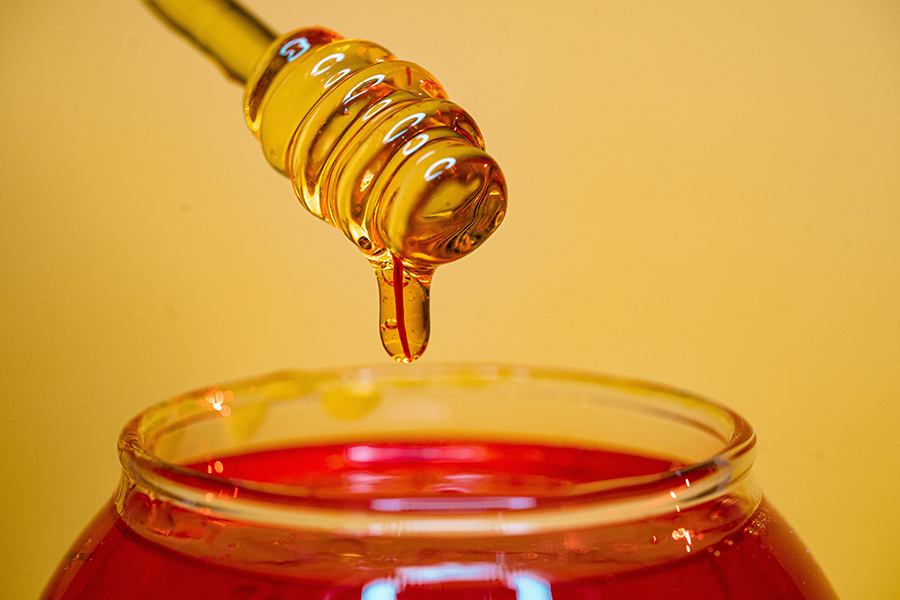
(372, 146)
(404, 309)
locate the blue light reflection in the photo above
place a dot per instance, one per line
(526, 585)
(529, 587)
(293, 49)
(380, 589)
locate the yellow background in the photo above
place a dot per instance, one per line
(705, 194)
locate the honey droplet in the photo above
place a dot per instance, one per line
(404, 307)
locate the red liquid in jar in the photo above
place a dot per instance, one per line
(759, 558)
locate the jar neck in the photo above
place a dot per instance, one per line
(167, 496)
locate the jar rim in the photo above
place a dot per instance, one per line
(148, 471)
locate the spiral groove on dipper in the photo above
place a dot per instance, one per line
(374, 147)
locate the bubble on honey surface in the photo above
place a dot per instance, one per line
(247, 420)
(350, 402)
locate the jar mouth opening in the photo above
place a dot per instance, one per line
(164, 449)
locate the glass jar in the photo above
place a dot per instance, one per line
(463, 482)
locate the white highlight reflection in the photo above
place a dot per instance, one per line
(459, 503)
(527, 585)
(449, 572)
(393, 134)
(445, 163)
(336, 77)
(380, 589)
(365, 84)
(411, 147)
(321, 67)
(376, 108)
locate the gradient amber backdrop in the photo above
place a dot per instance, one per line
(705, 194)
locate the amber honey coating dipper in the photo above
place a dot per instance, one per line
(371, 144)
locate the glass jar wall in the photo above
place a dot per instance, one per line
(462, 482)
